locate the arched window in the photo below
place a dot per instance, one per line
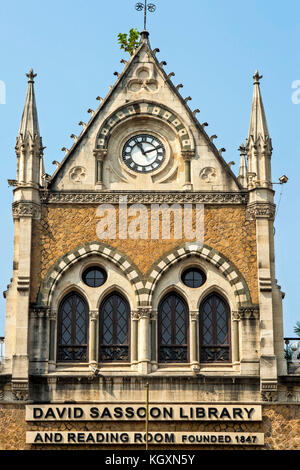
(173, 326)
(114, 329)
(215, 330)
(73, 321)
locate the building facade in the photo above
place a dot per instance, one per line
(143, 261)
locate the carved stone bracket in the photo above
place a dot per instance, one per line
(26, 209)
(269, 396)
(258, 210)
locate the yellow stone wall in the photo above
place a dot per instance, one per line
(64, 227)
(281, 426)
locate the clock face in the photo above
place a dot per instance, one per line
(144, 153)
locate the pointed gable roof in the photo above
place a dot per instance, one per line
(29, 123)
(258, 122)
(145, 44)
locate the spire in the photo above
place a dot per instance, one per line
(29, 146)
(29, 122)
(243, 172)
(258, 122)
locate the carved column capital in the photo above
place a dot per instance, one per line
(94, 314)
(194, 315)
(39, 312)
(142, 313)
(188, 154)
(260, 210)
(100, 154)
(26, 209)
(248, 313)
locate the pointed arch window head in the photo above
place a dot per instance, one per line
(173, 326)
(73, 321)
(215, 330)
(114, 329)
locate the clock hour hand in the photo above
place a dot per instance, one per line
(141, 147)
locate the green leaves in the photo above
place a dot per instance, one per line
(129, 42)
(297, 328)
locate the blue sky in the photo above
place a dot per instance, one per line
(213, 46)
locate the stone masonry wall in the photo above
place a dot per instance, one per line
(281, 426)
(64, 227)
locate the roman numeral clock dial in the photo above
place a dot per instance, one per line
(144, 153)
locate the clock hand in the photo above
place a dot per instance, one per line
(152, 150)
(141, 147)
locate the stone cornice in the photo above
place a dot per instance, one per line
(147, 197)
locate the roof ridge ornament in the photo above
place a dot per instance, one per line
(145, 7)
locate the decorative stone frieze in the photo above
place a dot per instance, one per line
(132, 197)
(261, 210)
(269, 396)
(26, 209)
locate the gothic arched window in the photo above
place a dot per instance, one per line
(215, 330)
(72, 332)
(173, 327)
(114, 329)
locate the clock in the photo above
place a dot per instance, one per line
(144, 153)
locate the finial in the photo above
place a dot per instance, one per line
(161, 64)
(117, 74)
(188, 98)
(213, 137)
(123, 61)
(31, 76)
(196, 111)
(179, 86)
(242, 149)
(257, 78)
(155, 51)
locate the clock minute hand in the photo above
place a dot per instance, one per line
(152, 150)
